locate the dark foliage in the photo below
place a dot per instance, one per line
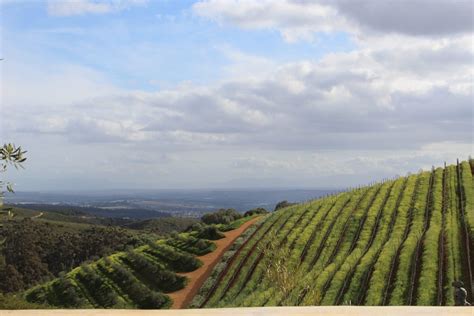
(17, 302)
(222, 216)
(99, 213)
(34, 251)
(283, 204)
(154, 275)
(164, 225)
(195, 227)
(67, 293)
(139, 293)
(100, 291)
(255, 211)
(210, 232)
(14, 281)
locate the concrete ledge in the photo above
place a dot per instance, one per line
(262, 311)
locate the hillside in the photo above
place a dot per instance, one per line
(138, 277)
(37, 245)
(163, 225)
(400, 242)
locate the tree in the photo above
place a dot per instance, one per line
(222, 216)
(283, 204)
(10, 155)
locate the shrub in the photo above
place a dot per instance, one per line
(194, 227)
(283, 204)
(255, 211)
(222, 216)
(210, 232)
(13, 302)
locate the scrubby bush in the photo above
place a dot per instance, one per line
(222, 216)
(35, 295)
(283, 204)
(12, 302)
(255, 211)
(210, 232)
(194, 227)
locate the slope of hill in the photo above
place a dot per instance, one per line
(400, 242)
(38, 245)
(163, 225)
(94, 214)
(135, 278)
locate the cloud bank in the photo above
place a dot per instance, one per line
(301, 19)
(400, 100)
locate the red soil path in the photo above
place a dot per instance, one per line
(183, 297)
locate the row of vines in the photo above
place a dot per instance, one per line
(136, 278)
(399, 242)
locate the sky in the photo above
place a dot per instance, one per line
(160, 94)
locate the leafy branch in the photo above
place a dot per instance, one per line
(10, 155)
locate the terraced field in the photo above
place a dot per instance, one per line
(400, 242)
(137, 278)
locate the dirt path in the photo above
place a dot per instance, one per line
(183, 297)
(37, 216)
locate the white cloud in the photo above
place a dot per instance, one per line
(294, 20)
(302, 19)
(81, 7)
(364, 99)
(400, 101)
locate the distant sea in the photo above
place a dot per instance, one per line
(175, 202)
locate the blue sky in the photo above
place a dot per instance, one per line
(233, 93)
(162, 43)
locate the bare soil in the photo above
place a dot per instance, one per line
(183, 297)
